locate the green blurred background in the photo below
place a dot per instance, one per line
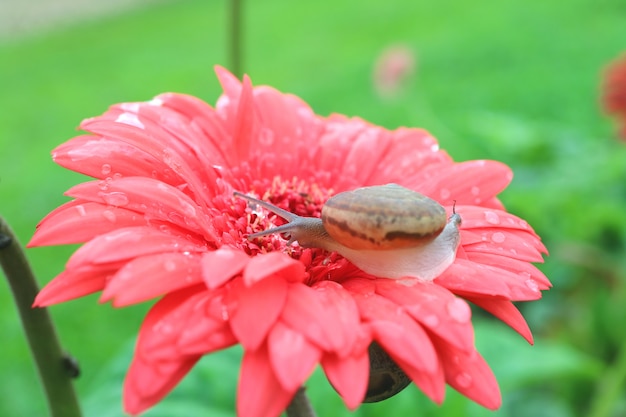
(516, 81)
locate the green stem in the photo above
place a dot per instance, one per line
(235, 37)
(55, 368)
(300, 406)
(610, 388)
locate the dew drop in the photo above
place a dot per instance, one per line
(532, 284)
(130, 119)
(492, 217)
(459, 310)
(498, 237)
(266, 137)
(463, 380)
(431, 320)
(169, 266)
(115, 198)
(81, 211)
(106, 169)
(109, 215)
(444, 193)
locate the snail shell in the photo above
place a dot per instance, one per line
(386, 378)
(387, 231)
(382, 217)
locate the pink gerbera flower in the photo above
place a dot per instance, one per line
(614, 92)
(161, 220)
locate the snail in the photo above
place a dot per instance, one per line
(387, 231)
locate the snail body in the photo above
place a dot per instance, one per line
(387, 231)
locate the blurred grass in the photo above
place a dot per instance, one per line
(513, 81)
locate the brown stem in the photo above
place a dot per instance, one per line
(52, 364)
(300, 406)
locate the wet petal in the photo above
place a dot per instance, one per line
(128, 243)
(273, 264)
(254, 309)
(397, 333)
(154, 199)
(434, 307)
(78, 221)
(348, 375)
(149, 276)
(221, 265)
(469, 374)
(148, 382)
(260, 393)
(507, 312)
(292, 356)
(74, 283)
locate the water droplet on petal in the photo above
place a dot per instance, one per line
(492, 217)
(115, 198)
(459, 310)
(81, 211)
(498, 237)
(463, 380)
(106, 169)
(431, 320)
(266, 137)
(109, 215)
(532, 284)
(170, 266)
(130, 119)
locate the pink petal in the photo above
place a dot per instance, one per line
(79, 221)
(205, 118)
(397, 333)
(230, 84)
(148, 382)
(150, 276)
(506, 242)
(207, 328)
(467, 278)
(292, 356)
(325, 314)
(431, 384)
(526, 269)
(503, 283)
(470, 182)
(434, 307)
(74, 283)
(469, 374)
(348, 375)
(156, 142)
(221, 265)
(507, 312)
(260, 393)
(273, 264)
(101, 157)
(165, 322)
(411, 151)
(154, 199)
(255, 309)
(128, 243)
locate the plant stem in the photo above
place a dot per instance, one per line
(235, 37)
(52, 363)
(610, 388)
(300, 406)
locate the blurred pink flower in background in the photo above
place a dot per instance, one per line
(614, 92)
(160, 220)
(392, 70)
